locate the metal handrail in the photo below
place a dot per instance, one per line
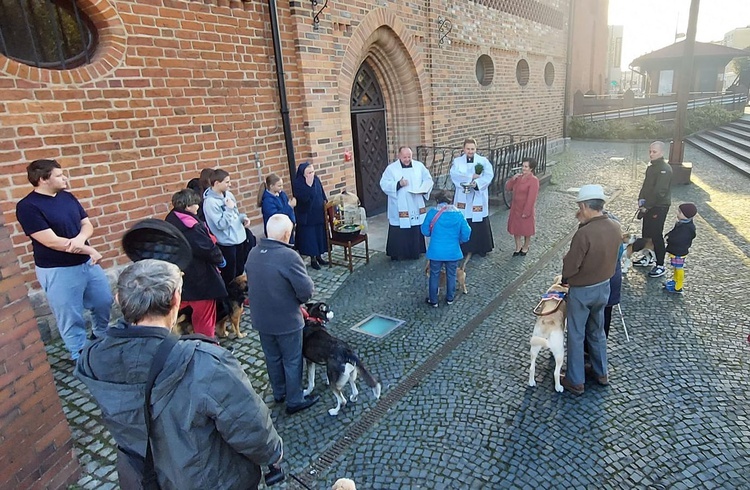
(438, 159)
(727, 99)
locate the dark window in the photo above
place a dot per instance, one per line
(485, 70)
(53, 34)
(522, 72)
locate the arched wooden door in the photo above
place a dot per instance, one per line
(370, 143)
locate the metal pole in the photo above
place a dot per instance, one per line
(684, 84)
(282, 89)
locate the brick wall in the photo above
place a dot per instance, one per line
(177, 86)
(174, 87)
(36, 449)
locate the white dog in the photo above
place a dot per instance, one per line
(549, 330)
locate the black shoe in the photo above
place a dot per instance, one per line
(321, 261)
(279, 401)
(522, 254)
(314, 264)
(309, 402)
(516, 254)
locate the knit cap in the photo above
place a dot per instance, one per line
(688, 209)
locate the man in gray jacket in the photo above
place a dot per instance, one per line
(277, 285)
(209, 427)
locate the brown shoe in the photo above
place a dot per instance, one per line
(602, 380)
(575, 389)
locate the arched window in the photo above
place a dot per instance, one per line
(53, 34)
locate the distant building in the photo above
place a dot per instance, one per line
(614, 60)
(736, 38)
(588, 51)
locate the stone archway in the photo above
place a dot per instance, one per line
(396, 61)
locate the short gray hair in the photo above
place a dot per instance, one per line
(278, 225)
(594, 204)
(146, 289)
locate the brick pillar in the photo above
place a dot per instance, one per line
(36, 448)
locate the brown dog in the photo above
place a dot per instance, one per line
(228, 309)
(460, 277)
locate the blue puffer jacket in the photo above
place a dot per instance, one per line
(450, 231)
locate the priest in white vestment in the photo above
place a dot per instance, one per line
(472, 197)
(407, 183)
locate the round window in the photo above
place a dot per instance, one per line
(55, 35)
(485, 70)
(549, 74)
(522, 72)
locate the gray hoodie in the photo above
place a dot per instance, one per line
(210, 429)
(224, 222)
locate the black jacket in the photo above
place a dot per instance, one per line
(680, 238)
(656, 188)
(202, 279)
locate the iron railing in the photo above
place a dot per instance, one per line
(734, 101)
(438, 159)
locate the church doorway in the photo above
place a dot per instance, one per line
(369, 138)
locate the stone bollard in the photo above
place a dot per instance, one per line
(681, 173)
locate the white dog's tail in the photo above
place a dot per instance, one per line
(539, 341)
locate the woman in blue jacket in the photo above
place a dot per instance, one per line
(448, 229)
(273, 200)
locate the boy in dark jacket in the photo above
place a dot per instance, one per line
(678, 244)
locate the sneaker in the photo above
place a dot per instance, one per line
(449, 302)
(434, 305)
(671, 289)
(668, 284)
(657, 271)
(643, 262)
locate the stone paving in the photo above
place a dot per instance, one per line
(676, 413)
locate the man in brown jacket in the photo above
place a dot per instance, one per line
(587, 268)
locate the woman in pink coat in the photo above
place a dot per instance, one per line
(522, 219)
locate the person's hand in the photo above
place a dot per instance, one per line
(246, 222)
(642, 210)
(524, 216)
(229, 203)
(95, 256)
(517, 176)
(474, 176)
(641, 202)
(403, 182)
(75, 245)
(293, 201)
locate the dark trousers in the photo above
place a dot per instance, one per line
(284, 364)
(653, 228)
(235, 255)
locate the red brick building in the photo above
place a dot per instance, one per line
(161, 89)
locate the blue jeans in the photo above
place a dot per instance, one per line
(284, 364)
(450, 279)
(69, 291)
(586, 322)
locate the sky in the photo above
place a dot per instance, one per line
(649, 25)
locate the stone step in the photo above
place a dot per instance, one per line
(736, 142)
(718, 151)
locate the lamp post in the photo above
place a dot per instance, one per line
(681, 172)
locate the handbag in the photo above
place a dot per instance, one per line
(134, 471)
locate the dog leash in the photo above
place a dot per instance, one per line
(635, 217)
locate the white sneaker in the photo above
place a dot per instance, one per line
(644, 262)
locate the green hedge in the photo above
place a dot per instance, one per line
(648, 128)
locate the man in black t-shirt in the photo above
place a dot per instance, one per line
(66, 265)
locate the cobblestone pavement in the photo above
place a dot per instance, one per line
(456, 411)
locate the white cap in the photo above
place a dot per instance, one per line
(589, 192)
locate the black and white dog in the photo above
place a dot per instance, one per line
(342, 364)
